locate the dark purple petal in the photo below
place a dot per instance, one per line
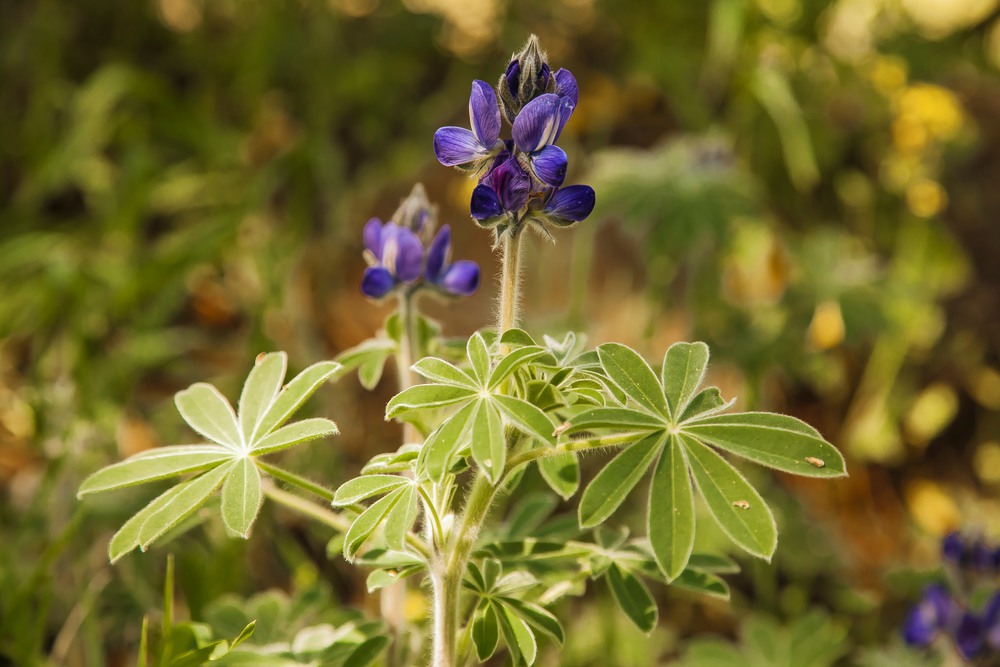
(410, 259)
(566, 86)
(925, 620)
(456, 146)
(941, 602)
(484, 114)
(969, 635)
(372, 235)
(485, 203)
(461, 278)
(544, 73)
(437, 254)
(982, 556)
(377, 282)
(511, 183)
(549, 165)
(572, 203)
(952, 548)
(513, 77)
(538, 123)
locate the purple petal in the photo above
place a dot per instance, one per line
(511, 184)
(566, 107)
(549, 165)
(544, 72)
(538, 123)
(991, 619)
(456, 146)
(969, 635)
(572, 203)
(437, 254)
(485, 203)
(982, 556)
(952, 548)
(372, 235)
(377, 282)
(484, 114)
(566, 86)
(513, 77)
(411, 256)
(461, 278)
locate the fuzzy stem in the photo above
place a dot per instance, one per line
(510, 280)
(582, 444)
(407, 354)
(445, 585)
(306, 507)
(295, 480)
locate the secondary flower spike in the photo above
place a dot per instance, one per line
(394, 255)
(460, 278)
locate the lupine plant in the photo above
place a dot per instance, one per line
(479, 413)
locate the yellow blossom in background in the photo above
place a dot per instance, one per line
(931, 110)
(888, 74)
(925, 198)
(932, 508)
(987, 462)
(826, 330)
(931, 412)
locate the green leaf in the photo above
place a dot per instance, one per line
(670, 517)
(369, 358)
(192, 494)
(436, 456)
(528, 513)
(294, 395)
(294, 434)
(715, 563)
(683, 370)
(527, 417)
(400, 518)
(537, 617)
(519, 637)
(617, 418)
(367, 522)
(127, 537)
(633, 375)
(512, 361)
(773, 440)
(706, 402)
(367, 486)
(479, 357)
(562, 473)
(609, 488)
(366, 652)
(241, 497)
(259, 391)
(425, 397)
(485, 631)
(516, 338)
(489, 448)
(705, 583)
(209, 413)
(736, 506)
(154, 464)
(441, 372)
(633, 597)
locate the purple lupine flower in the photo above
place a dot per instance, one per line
(991, 622)
(394, 255)
(953, 548)
(501, 193)
(567, 206)
(566, 86)
(933, 614)
(535, 131)
(459, 278)
(472, 149)
(416, 213)
(969, 635)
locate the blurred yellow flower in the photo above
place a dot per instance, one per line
(925, 198)
(826, 330)
(933, 508)
(934, 108)
(987, 462)
(888, 74)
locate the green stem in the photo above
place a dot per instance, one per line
(293, 479)
(306, 507)
(510, 280)
(432, 511)
(407, 354)
(445, 586)
(583, 444)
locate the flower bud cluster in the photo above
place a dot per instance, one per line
(397, 259)
(521, 178)
(942, 613)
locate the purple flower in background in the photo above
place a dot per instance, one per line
(501, 193)
(472, 150)
(935, 613)
(460, 278)
(394, 255)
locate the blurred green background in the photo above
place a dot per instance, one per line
(810, 187)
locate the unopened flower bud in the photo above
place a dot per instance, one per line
(416, 212)
(527, 76)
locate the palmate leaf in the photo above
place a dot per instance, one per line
(633, 597)
(518, 636)
(562, 473)
(485, 630)
(369, 358)
(257, 430)
(677, 426)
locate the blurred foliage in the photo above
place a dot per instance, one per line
(808, 186)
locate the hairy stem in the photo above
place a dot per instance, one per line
(445, 585)
(510, 280)
(306, 507)
(296, 481)
(582, 444)
(407, 354)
